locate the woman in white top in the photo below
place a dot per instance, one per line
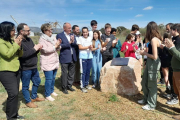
(85, 57)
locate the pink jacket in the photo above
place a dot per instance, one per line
(49, 59)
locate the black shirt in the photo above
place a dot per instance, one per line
(29, 59)
(177, 40)
(150, 48)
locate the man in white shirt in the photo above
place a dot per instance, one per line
(94, 27)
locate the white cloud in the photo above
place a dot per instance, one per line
(148, 8)
(131, 8)
(139, 15)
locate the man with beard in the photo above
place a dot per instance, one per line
(77, 77)
(29, 69)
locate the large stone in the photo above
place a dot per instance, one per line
(121, 79)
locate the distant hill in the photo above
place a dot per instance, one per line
(38, 30)
(35, 29)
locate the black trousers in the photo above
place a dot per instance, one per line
(171, 82)
(106, 58)
(10, 81)
(67, 75)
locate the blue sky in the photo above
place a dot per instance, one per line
(81, 12)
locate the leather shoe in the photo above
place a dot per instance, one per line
(71, 89)
(37, 100)
(31, 105)
(17, 118)
(65, 91)
(20, 117)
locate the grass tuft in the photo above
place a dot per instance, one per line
(113, 98)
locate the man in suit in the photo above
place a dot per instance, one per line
(77, 77)
(67, 57)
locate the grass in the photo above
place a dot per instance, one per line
(113, 98)
(93, 105)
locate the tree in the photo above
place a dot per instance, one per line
(161, 26)
(102, 30)
(121, 28)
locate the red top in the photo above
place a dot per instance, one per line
(130, 51)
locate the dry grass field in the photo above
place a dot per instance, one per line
(93, 105)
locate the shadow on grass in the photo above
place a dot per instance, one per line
(160, 108)
(20, 97)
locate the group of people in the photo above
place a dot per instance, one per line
(163, 53)
(78, 55)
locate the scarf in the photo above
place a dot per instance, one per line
(47, 38)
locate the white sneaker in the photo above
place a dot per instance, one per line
(141, 102)
(147, 107)
(172, 101)
(88, 87)
(84, 90)
(54, 94)
(93, 86)
(50, 98)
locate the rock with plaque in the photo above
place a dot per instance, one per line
(121, 76)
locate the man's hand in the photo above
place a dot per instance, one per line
(71, 39)
(115, 41)
(104, 48)
(38, 47)
(107, 40)
(162, 46)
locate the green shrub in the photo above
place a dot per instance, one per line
(113, 98)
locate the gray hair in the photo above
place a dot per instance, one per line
(64, 25)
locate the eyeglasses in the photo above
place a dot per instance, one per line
(50, 30)
(27, 30)
(13, 30)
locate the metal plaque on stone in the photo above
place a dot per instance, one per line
(120, 62)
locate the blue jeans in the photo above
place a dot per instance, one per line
(49, 83)
(26, 76)
(96, 67)
(85, 65)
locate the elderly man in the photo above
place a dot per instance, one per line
(67, 57)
